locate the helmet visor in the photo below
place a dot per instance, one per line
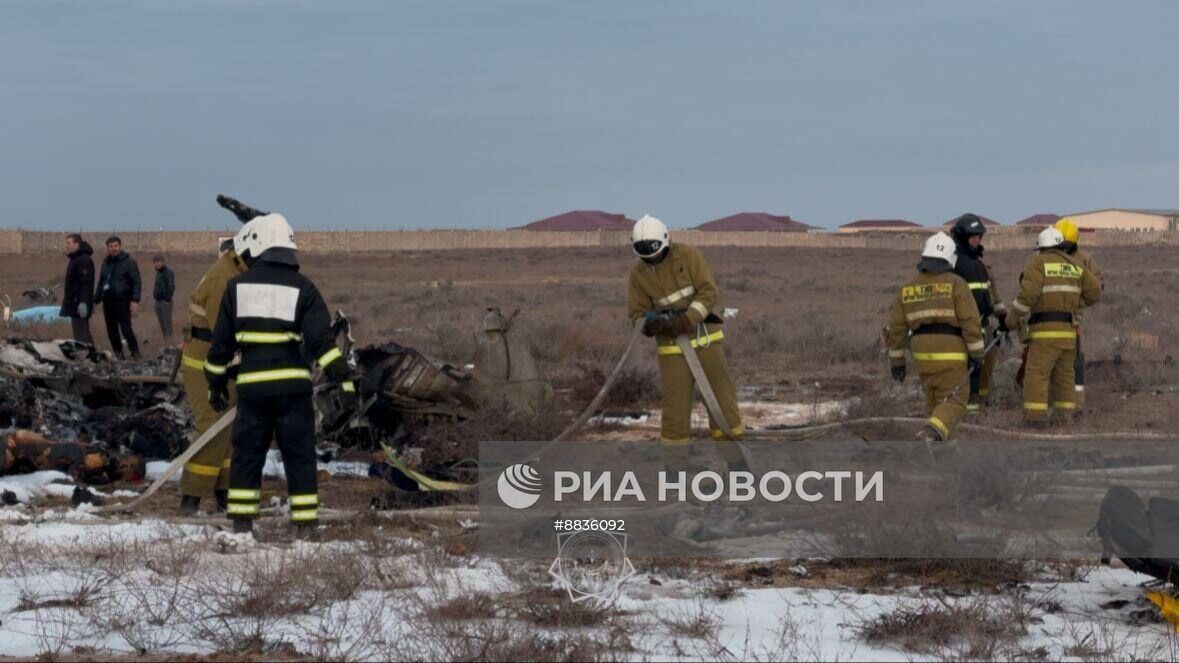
(648, 247)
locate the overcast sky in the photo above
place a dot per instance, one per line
(493, 114)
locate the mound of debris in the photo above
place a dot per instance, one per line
(65, 406)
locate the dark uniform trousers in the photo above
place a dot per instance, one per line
(117, 315)
(81, 330)
(291, 420)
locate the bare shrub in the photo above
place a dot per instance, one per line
(349, 631)
(553, 608)
(147, 610)
(696, 620)
(637, 384)
(986, 627)
(477, 605)
(247, 601)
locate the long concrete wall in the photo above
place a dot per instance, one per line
(14, 242)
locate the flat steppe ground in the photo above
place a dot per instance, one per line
(807, 329)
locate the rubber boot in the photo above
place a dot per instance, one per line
(222, 497)
(928, 434)
(189, 505)
(243, 525)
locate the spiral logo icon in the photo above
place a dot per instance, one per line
(519, 486)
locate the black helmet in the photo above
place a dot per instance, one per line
(966, 225)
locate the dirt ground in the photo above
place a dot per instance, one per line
(807, 328)
(806, 333)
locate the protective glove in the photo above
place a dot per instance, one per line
(680, 324)
(973, 365)
(898, 373)
(219, 397)
(657, 327)
(1002, 328)
(83, 311)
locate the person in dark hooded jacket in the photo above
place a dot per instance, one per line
(118, 291)
(968, 232)
(77, 301)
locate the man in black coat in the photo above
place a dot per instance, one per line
(77, 302)
(118, 291)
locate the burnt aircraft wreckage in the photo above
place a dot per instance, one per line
(69, 407)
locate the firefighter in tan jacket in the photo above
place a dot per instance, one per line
(1052, 288)
(936, 316)
(207, 473)
(672, 286)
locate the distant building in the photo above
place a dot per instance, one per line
(756, 221)
(866, 225)
(1127, 219)
(990, 223)
(583, 220)
(1038, 221)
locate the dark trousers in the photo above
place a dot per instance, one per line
(164, 315)
(290, 420)
(81, 327)
(117, 314)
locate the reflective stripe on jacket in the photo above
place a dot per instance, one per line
(683, 282)
(1053, 283)
(279, 322)
(942, 299)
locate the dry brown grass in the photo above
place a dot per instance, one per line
(980, 628)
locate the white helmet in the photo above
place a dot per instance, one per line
(1049, 238)
(240, 245)
(649, 237)
(940, 246)
(268, 232)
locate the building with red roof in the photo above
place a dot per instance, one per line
(755, 221)
(583, 220)
(867, 225)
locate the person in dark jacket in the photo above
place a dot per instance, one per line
(968, 232)
(162, 292)
(118, 291)
(77, 302)
(276, 318)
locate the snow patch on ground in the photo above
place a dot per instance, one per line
(54, 559)
(27, 487)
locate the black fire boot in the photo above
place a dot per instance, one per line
(243, 525)
(222, 497)
(189, 504)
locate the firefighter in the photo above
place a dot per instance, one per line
(936, 314)
(967, 232)
(1072, 247)
(673, 286)
(207, 473)
(1052, 287)
(276, 318)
